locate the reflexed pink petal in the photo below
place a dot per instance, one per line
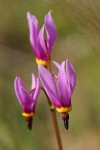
(42, 54)
(17, 92)
(37, 91)
(20, 91)
(21, 83)
(50, 30)
(41, 39)
(64, 89)
(33, 82)
(49, 84)
(33, 28)
(71, 75)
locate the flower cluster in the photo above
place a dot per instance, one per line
(58, 88)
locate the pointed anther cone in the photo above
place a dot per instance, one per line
(29, 122)
(65, 117)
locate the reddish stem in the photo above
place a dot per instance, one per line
(53, 113)
(55, 123)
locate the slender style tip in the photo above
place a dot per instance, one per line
(29, 122)
(65, 118)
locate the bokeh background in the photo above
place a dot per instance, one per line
(78, 26)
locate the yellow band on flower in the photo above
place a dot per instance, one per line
(64, 109)
(27, 114)
(41, 62)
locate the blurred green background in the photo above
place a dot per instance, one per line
(78, 26)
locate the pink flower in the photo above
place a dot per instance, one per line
(42, 46)
(27, 99)
(60, 92)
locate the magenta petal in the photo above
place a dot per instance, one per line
(41, 39)
(64, 89)
(17, 92)
(33, 82)
(50, 30)
(28, 102)
(20, 91)
(25, 96)
(37, 91)
(53, 98)
(33, 86)
(71, 75)
(33, 28)
(49, 84)
(19, 84)
(42, 54)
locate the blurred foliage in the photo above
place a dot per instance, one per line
(78, 26)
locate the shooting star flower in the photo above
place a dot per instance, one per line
(42, 46)
(60, 92)
(27, 99)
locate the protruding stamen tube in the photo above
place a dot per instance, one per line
(65, 117)
(29, 122)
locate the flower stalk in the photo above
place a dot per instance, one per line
(55, 123)
(54, 120)
(53, 114)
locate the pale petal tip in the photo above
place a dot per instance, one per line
(29, 14)
(50, 11)
(32, 74)
(56, 64)
(54, 61)
(33, 86)
(48, 15)
(67, 61)
(16, 78)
